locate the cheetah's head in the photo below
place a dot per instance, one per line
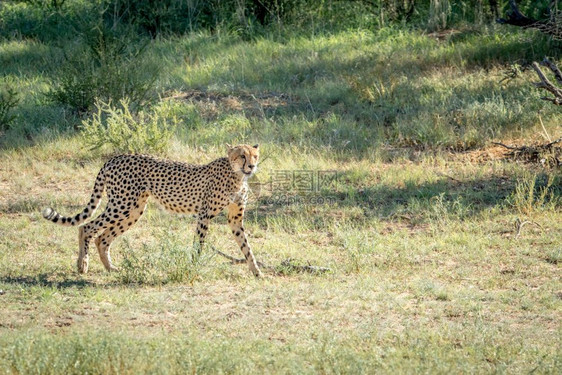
(244, 158)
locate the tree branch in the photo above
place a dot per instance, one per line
(550, 65)
(506, 146)
(546, 84)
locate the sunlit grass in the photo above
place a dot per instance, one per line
(348, 91)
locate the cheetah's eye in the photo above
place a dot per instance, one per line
(243, 157)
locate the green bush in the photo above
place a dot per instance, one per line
(126, 131)
(9, 99)
(45, 20)
(244, 18)
(108, 64)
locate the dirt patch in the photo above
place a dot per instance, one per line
(547, 154)
(444, 35)
(211, 104)
(483, 155)
(533, 152)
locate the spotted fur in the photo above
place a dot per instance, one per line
(129, 180)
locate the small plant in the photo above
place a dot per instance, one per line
(125, 131)
(169, 261)
(444, 209)
(432, 290)
(9, 99)
(439, 14)
(555, 256)
(528, 197)
(357, 249)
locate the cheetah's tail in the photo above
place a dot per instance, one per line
(87, 212)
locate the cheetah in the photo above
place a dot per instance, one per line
(202, 190)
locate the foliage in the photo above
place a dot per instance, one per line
(439, 14)
(9, 99)
(356, 89)
(108, 66)
(245, 18)
(59, 19)
(124, 130)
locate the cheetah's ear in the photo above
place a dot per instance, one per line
(230, 151)
(256, 145)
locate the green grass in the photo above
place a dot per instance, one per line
(430, 268)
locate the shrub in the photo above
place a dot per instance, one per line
(126, 131)
(30, 20)
(108, 65)
(9, 99)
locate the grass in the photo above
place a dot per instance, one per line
(344, 91)
(428, 270)
(427, 275)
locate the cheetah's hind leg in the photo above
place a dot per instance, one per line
(83, 257)
(103, 243)
(120, 225)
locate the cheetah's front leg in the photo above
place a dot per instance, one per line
(202, 227)
(235, 221)
(204, 217)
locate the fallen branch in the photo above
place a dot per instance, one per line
(550, 65)
(506, 146)
(285, 265)
(519, 226)
(546, 154)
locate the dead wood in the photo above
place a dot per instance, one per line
(545, 82)
(516, 18)
(519, 226)
(550, 65)
(547, 154)
(551, 26)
